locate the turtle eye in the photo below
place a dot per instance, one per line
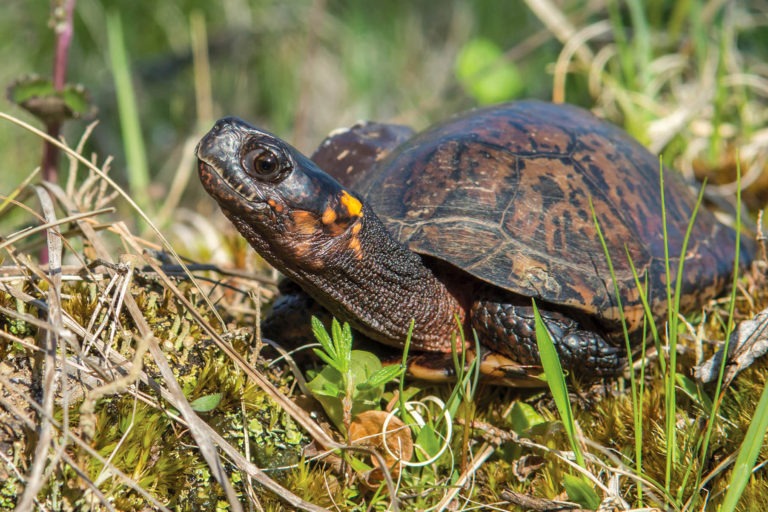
(262, 163)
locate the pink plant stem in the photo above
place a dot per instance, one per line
(62, 15)
(64, 31)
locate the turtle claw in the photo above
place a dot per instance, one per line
(495, 368)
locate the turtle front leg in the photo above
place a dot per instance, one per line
(510, 330)
(289, 322)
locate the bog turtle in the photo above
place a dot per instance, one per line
(466, 223)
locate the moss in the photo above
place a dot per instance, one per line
(9, 490)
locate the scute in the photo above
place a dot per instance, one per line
(351, 154)
(504, 194)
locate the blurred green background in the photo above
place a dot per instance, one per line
(304, 67)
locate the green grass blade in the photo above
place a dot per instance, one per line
(466, 377)
(669, 377)
(643, 289)
(612, 272)
(750, 450)
(729, 328)
(627, 72)
(137, 168)
(722, 95)
(407, 419)
(637, 398)
(550, 362)
(641, 44)
(674, 310)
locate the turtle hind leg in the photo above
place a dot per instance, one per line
(510, 330)
(289, 321)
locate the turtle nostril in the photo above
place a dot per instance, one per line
(230, 122)
(221, 125)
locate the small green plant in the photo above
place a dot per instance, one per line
(54, 101)
(353, 380)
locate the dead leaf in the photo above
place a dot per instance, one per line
(366, 430)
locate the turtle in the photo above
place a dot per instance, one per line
(462, 227)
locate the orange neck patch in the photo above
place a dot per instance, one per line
(329, 216)
(353, 206)
(335, 219)
(305, 222)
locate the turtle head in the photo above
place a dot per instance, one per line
(277, 198)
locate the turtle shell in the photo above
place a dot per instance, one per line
(507, 195)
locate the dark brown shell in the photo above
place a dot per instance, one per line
(504, 194)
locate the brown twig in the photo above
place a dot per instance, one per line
(48, 341)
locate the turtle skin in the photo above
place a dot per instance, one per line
(498, 203)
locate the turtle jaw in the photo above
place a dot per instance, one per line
(228, 197)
